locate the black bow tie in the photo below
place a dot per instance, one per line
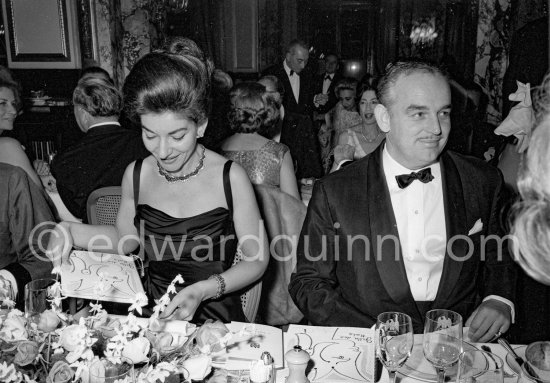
(424, 175)
(327, 77)
(293, 73)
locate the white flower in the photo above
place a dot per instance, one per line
(140, 300)
(137, 350)
(198, 367)
(96, 308)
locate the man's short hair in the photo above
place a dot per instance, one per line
(395, 70)
(296, 43)
(98, 96)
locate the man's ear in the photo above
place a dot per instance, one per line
(202, 128)
(382, 118)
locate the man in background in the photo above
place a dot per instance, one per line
(298, 132)
(100, 158)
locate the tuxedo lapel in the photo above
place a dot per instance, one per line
(388, 258)
(455, 220)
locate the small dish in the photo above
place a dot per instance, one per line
(418, 367)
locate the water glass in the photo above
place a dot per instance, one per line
(479, 366)
(37, 298)
(105, 371)
(394, 339)
(442, 342)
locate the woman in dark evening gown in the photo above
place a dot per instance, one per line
(186, 206)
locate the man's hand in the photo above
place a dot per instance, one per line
(490, 318)
(343, 152)
(320, 99)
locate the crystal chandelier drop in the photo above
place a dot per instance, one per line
(176, 5)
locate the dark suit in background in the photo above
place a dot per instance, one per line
(352, 291)
(318, 88)
(99, 159)
(298, 132)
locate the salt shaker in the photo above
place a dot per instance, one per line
(297, 360)
(262, 371)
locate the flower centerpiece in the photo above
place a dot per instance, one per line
(61, 348)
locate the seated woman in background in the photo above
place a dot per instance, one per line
(531, 226)
(361, 139)
(252, 111)
(277, 91)
(186, 206)
(11, 151)
(344, 114)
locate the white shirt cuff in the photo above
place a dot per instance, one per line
(506, 301)
(11, 279)
(341, 163)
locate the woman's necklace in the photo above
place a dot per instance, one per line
(371, 140)
(184, 177)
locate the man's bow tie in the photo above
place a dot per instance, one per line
(424, 175)
(327, 77)
(293, 73)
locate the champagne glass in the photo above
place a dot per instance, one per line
(479, 366)
(394, 340)
(106, 371)
(38, 295)
(442, 341)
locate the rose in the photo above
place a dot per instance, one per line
(72, 337)
(198, 367)
(14, 328)
(60, 373)
(48, 321)
(136, 350)
(209, 335)
(26, 353)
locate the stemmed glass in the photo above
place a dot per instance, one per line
(479, 366)
(442, 341)
(394, 340)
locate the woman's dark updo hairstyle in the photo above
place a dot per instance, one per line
(169, 82)
(251, 108)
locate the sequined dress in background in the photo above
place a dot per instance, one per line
(263, 165)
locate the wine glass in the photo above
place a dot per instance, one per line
(38, 295)
(479, 366)
(442, 341)
(394, 340)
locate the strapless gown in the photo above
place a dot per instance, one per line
(195, 247)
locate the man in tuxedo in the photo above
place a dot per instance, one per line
(325, 98)
(406, 227)
(297, 131)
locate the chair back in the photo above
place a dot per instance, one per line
(283, 217)
(250, 298)
(102, 205)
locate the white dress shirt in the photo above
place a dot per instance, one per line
(420, 217)
(327, 82)
(294, 82)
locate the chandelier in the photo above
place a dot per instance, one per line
(423, 31)
(176, 5)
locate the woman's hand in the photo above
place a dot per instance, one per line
(42, 168)
(49, 183)
(185, 303)
(60, 244)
